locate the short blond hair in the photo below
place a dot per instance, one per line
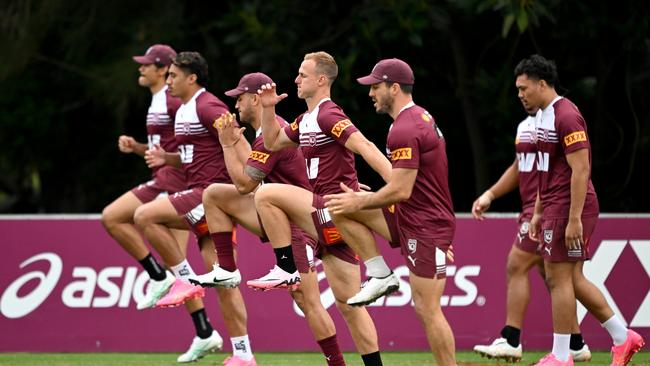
(325, 64)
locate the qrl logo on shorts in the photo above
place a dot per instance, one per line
(548, 236)
(332, 235)
(523, 229)
(412, 245)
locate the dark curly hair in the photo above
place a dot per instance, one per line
(539, 68)
(193, 63)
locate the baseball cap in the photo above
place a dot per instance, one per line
(249, 83)
(157, 54)
(391, 69)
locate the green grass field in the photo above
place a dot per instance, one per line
(269, 359)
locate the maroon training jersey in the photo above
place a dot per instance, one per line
(286, 166)
(160, 121)
(526, 149)
(198, 141)
(561, 130)
(322, 135)
(416, 142)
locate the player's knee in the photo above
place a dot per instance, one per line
(141, 217)
(425, 311)
(263, 196)
(345, 309)
(213, 193)
(514, 267)
(107, 219)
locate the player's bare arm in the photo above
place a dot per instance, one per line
(274, 136)
(507, 183)
(231, 136)
(128, 145)
(579, 163)
(157, 156)
(398, 189)
(358, 144)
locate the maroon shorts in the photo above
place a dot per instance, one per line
(426, 256)
(553, 244)
(303, 248)
(189, 204)
(524, 242)
(391, 221)
(166, 180)
(330, 239)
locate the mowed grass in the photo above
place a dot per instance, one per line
(271, 359)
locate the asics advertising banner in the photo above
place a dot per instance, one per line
(65, 285)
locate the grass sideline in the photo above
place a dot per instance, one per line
(273, 359)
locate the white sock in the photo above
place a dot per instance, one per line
(241, 347)
(561, 346)
(377, 267)
(183, 270)
(616, 330)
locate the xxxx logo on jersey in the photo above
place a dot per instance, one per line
(259, 156)
(401, 154)
(340, 126)
(294, 125)
(575, 137)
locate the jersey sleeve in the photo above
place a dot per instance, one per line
(209, 112)
(335, 124)
(262, 159)
(292, 131)
(572, 133)
(404, 146)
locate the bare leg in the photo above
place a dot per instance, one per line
(518, 294)
(117, 219)
(426, 296)
(559, 277)
(277, 205)
(155, 219)
(590, 296)
(344, 279)
(308, 299)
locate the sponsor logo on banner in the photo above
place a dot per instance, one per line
(117, 286)
(598, 269)
(458, 277)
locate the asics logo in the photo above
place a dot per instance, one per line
(14, 306)
(461, 277)
(87, 287)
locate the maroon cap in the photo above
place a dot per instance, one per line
(391, 69)
(157, 54)
(249, 83)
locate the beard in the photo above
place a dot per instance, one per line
(386, 104)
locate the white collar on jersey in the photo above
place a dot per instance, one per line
(196, 95)
(258, 132)
(552, 102)
(322, 101)
(161, 91)
(407, 106)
